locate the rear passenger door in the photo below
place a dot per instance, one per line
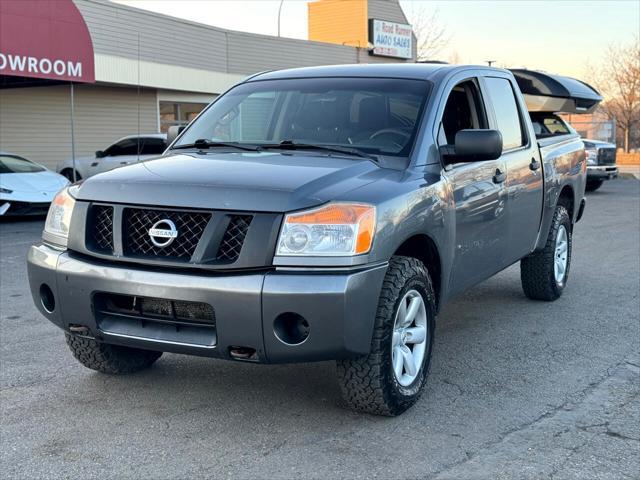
(478, 192)
(523, 184)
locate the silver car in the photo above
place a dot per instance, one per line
(125, 151)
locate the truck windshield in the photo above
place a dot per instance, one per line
(373, 115)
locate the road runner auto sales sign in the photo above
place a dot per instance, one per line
(45, 39)
(390, 39)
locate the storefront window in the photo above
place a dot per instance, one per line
(174, 113)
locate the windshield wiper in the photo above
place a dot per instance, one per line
(203, 143)
(291, 145)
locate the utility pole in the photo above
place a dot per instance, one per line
(73, 136)
(490, 62)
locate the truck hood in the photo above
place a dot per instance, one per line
(260, 181)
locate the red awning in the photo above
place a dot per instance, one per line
(45, 39)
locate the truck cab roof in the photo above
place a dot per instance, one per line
(416, 71)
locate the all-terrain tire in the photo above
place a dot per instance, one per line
(593, 185)
(367, 382)
(112, 359)
(537, 270)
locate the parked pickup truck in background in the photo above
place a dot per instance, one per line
(601, 163)
(314, 214)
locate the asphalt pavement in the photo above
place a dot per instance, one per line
(518, 389)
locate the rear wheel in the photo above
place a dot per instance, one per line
(107, 358)
(593, 185)
(544, 274)
(390, 379)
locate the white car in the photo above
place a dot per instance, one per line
(131, 149)
(26, 188)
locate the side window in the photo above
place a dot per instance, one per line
(506, 110)
(463, 110)
(128, 146)
(153, 146)
(555, 126)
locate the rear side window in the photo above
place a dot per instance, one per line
(506, 109)
(153, 146)
(128, 146)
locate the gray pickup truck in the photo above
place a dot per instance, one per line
(311, 214)
(601, 163)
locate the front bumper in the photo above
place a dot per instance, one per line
(601, 172)
(339, 306)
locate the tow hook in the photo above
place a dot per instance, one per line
(243, 353)
(79, 329)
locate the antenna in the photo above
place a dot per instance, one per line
(138, 146)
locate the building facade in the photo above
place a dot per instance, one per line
(76, 75)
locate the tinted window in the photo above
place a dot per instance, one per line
(128, 146)
(10, 164)
(372, 114)
(504, 105)
(153, 146)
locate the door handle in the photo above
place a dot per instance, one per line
(499, 177)
(534, 165)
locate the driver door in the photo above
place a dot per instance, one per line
(478, 193)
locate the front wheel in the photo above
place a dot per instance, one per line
(108, 358)
(390, 379)
(544, 274)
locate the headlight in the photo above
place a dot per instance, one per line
(592, 156)
(337, 229)
(56, 227)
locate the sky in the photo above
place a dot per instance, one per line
(563, 36)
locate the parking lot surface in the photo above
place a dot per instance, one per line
(518, 389)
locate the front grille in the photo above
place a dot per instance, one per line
(102, 233)
(233, 239)
(137, 242)
(606, 156)
(207, 239)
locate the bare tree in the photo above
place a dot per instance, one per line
(432, 36)
(618, 80)
(454, 58)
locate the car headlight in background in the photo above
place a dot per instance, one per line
(592, 156)
(336, 229)
(56, 227)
